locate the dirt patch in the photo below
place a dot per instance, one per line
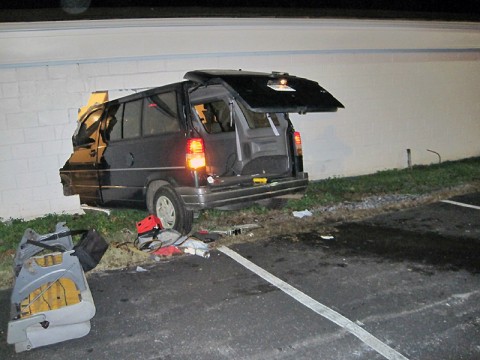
(324, 220)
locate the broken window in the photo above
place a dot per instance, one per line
(85, 133)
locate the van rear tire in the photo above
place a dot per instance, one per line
(169, 208)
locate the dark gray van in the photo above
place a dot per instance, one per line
(221, 138)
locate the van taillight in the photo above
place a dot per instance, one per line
(298, 143)
(195, 153)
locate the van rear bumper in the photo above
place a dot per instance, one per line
(205, 197)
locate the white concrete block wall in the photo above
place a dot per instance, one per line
(391, 106)
(404, 84)
(31, 140)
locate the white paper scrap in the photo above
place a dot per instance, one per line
(141, 269)
(301, 214)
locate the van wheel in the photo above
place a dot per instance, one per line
(171, 211)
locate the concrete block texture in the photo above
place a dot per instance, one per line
(8, 75)
(404, 84)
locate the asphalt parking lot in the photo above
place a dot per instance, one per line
(400, 285)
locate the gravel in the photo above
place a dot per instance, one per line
(372, 202)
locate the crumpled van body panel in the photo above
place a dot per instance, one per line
(220, 138)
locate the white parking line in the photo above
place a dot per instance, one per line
(461, 204)
(317, 307)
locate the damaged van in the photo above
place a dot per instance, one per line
(221, 138)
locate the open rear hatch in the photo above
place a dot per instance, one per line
(270, 93)
(243, 117)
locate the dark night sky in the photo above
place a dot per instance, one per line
(400, 5)
(32, 10)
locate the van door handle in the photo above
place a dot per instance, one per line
(93, 152)
(130, 159)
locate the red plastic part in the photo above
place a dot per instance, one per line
(168, 251)
(150, 223)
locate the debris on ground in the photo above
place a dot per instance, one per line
(195, 247)
(51, 301)
(302, 214)
(166, 251)
(94, 208)
(237, 229)
(160, 242)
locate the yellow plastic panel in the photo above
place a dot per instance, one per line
(50, 296)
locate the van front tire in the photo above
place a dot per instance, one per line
(171, 211)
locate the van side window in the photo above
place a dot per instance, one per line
(85, 132)
(160, 114)
(113, 123)
(131, 119)
(215, 116)
(257, 120)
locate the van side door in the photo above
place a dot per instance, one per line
(122, 131)
(143, 135)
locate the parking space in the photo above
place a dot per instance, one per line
(400, 285)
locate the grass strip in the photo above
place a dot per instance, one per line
(417, 180)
